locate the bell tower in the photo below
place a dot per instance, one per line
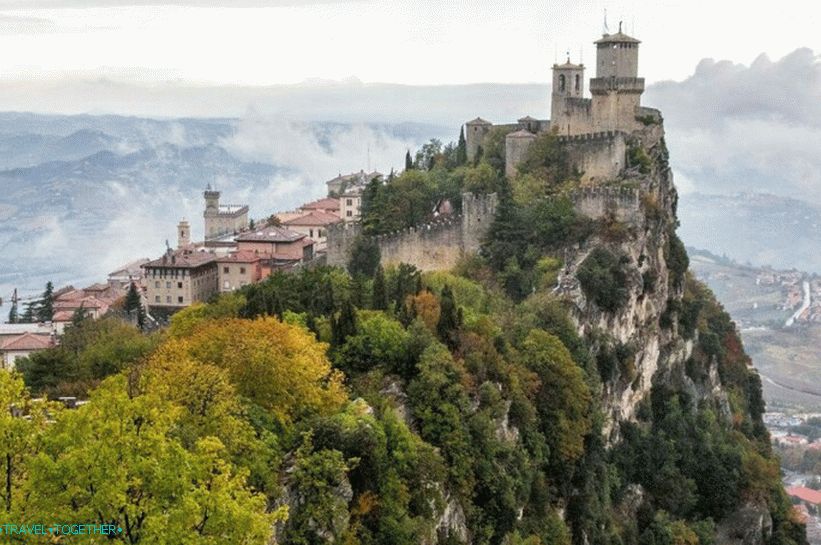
(183, 234)
(568, 84)
(616, 89)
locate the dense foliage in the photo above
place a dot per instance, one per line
(387, 406)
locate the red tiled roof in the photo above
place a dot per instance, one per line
(327, 203)
(62, 316)
(805, 494)
(314, 218)
(270, 234)
(182, 259)
(240, 257)
(27, 341)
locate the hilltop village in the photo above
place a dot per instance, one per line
(599, 135)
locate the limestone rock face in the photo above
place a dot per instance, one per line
(750, 524)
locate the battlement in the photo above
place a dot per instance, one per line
(602, 135)
(437, 244)
(622, 85)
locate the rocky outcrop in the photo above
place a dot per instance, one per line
(750, 524)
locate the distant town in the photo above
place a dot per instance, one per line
(235, 252)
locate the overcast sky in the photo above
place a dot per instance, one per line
(256, 42)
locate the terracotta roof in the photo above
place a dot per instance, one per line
(182, 259)
(322, 204)
(240, 257)
(805, 494)
(62, 316)
(270, 234)
(27, 341)
(618, 37)
(97, 287)
(314, 218)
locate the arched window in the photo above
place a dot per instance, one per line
(578, 82)
(561, 83)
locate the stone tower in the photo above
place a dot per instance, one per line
(475, 132)
(616, 89)
(566, 99)
(183, 234)
(212, 200)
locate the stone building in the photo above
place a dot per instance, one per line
(180, 278)
(314, 225)
(238, 270)
(223, 219)
(277, 244)
(613, 111)
(23, 345)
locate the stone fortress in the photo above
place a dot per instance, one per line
(596, 128)
(222, 219)
(596, 133)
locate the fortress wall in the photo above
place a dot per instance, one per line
(432, 246)
(595, 202)
(436, 245)
(340, 240)
(599, 156)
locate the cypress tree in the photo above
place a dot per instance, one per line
(380, 291)
(462, 149)
(45, 312)
(132, 299)
(448, 317)
(79, 316)
(408, 161)
(13, 316)
(345, 325)
(29, 313)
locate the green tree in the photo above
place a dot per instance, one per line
(45, 310)
(448, 323)
(13, 315)
(408, 160)
(117, 461)
(344, 325)
(603, 279)
(133, 301)
(380, 290)
(365, 257)
(462, 149)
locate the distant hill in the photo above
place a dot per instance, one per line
(83, 194)
(758, 228)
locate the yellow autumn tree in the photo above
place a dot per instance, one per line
(425, 305)
(280, 367)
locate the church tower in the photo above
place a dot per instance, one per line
(568, 90)
(183, 234)
(616, 89)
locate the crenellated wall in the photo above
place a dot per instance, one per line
(430, 246)
(598, 156)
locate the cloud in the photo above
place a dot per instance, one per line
(738, 128)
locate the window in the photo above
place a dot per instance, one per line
(179, 285)
(242, 270)
(310, 233)
(349, 202)
(225, 270)
(349, 213)
(179, 299)
(226, 285)
(168, 285)
(157, 284)
(156, 298)
(578, 82)
(167, 298)
(561, 83)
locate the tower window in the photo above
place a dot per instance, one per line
(578, 82)
(561, 83)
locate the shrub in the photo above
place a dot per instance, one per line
(604, 279)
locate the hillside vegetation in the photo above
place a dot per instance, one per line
(391, 406)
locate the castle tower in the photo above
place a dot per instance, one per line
(183, 234)
(566, 99)
(212, 200)
(616, 89)
(475, 133)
